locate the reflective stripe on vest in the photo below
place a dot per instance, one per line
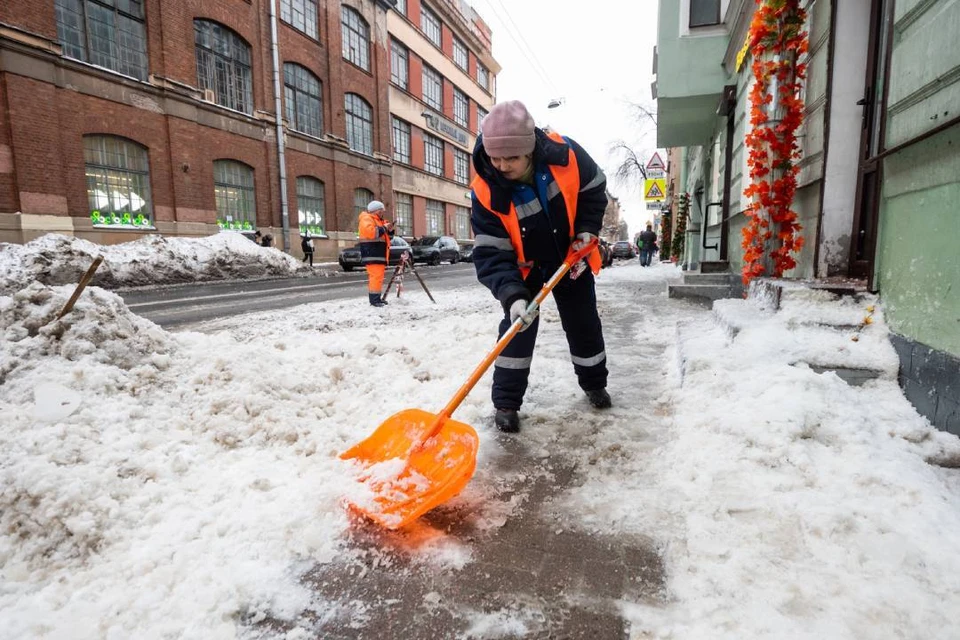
(567, 180)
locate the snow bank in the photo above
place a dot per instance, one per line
(55, 259)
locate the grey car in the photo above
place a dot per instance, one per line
(436, 249)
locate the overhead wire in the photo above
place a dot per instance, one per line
(536, 59)
(521, 45)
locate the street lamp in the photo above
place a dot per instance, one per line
(556, 102)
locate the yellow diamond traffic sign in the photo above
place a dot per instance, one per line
(655, 189)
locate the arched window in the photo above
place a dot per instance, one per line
(361, 198)
(304, 99)
(301, 15)
(223, 65)
(118, 182)
(355, 34)
(235, 194)
(105, 33)
(359, 123)
(310, 206)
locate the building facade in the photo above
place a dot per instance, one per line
(442, 84)
(879, 175)
(125, 118)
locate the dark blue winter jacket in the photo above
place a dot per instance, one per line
(544, 225)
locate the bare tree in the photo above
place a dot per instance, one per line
(631, 171)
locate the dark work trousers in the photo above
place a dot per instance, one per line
(577, 304)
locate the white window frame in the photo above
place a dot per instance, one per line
(460, 56)
(433, 154)
(431, 26)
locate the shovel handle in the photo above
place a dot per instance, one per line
(573, 258)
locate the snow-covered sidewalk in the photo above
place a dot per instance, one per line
(188, 480)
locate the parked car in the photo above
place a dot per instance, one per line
(349, 258)
(623, 249)
(466, 250)
(435, 249)
(606, 254)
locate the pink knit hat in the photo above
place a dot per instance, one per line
(508, 130)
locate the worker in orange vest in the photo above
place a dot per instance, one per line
(536, 197)
(375, 233)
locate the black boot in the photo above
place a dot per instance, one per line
(599, 398)
(507, 420)
(376, 301)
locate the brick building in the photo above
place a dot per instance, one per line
(120, 118)
(442, 83)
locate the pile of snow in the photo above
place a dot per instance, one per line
(55, 259)
(199, 478)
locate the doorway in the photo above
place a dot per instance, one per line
(867, 209)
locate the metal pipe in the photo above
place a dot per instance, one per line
(281, 158)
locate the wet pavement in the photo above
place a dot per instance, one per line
(529, 578)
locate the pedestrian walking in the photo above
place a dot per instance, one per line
(266, 241)
(306, 244)
(647, 243)
(536, 196)
(375, 233)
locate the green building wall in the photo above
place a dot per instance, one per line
(918, 253)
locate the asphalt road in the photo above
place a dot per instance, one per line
(174, 305)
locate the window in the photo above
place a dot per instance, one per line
(461, 166)
(460, 54)
(98, 32)
(433, 154)
(704, 12)
(481, 114)
(401, 7)
(361, 198)
(401, 141)
(434, 218)
(310, 206)
(234, 191)
(223, 65)
(403, 215)
(430, 25)
(483, 77)
(118, 181)
(304, 99)
(399, 65)
(356, 38)
(432, 88)
(301, 15)
(359, 123)
(463, 223)
(461, 108)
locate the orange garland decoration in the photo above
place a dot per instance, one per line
(776, 41)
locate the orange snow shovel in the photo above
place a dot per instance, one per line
(417, 460)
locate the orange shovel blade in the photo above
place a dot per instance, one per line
(402, 482)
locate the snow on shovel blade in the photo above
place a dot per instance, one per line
(398, 480)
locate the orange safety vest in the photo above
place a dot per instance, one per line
(568, 179)
(369, 222)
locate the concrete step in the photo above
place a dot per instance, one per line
(701, 291)
(693, 277)
(853, 377)
(715, 266)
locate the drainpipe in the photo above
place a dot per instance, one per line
(281, 158)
